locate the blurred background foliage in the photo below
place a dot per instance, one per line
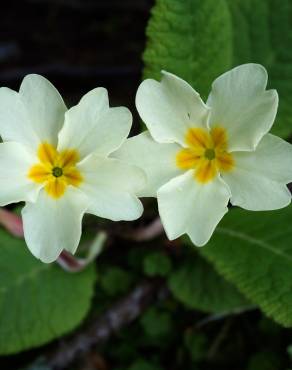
(150, 304)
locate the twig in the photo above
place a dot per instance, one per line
(121, 314)
(11, 222)
(224, 315)
(149, 232)
(219, 339)
(71, 263)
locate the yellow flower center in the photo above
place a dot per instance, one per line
(207, 153)
(56, 169)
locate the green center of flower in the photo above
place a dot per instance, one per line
(210, 154)
(57, 171)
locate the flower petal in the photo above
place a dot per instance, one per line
(44, 105)
(15, 162)
(186, 206)
(92, 126)
(240, 103)
(187, 159)
(56, 187)
(15, 124)
(34, 114)
(272, 158)
(206, 170)
(51, 225)
(157, 160)
(111, 186)
(258, 179)
(170, 107)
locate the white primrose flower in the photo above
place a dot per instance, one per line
(199, 157)
(57, 161)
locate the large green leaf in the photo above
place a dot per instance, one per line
(198, 286)
(262, 33)
(253, 250)
(38, 302)
(199, 40)
(190, 38)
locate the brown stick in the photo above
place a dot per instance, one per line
(145, 233)
(11, 222)
(121, 314)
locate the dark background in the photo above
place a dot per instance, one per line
(77, 44)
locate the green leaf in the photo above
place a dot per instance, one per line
(156, 323)
(265, 360)
(38, 302)
(196, 344)
(198, 286)
(144, 365)
(191, 39)
(199, 40)
(263, 29)
(115, 281)
(253, 250)
(157, 264)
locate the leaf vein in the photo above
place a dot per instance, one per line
(252, 240)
